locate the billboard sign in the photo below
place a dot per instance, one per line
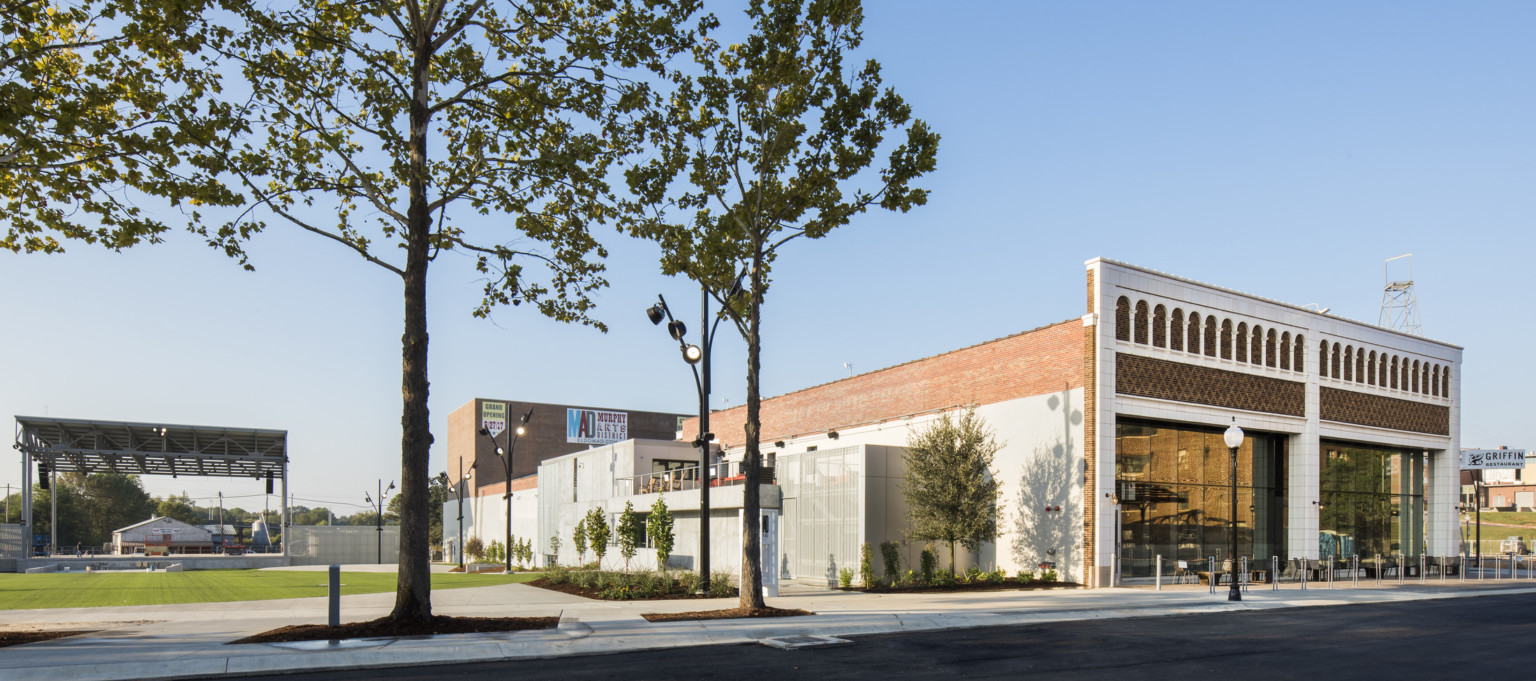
(1485, 459)
(593, 427)
(493, 417)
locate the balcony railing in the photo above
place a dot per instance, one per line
(723, 474)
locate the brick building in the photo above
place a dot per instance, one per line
(1111, 424)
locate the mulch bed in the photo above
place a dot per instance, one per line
(1009, 585)
(596, 594)
(728, 614)
(16, 638)
(384, 627)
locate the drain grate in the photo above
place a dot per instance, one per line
(798, 642)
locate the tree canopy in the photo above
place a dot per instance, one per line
(950, 487)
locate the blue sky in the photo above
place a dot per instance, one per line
(1283, 150)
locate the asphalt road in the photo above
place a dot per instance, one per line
(1483, 637)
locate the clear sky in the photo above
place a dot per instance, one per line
(1284, 150)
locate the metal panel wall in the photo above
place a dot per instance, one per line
(343, 545)
(822, 515)
(11, 545)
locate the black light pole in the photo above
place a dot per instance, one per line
(694, 355)
(378, 512)
(458, 487)
(506, 463)
(1234, 439)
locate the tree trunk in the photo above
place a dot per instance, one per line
(751, 541)
(413, 595)
(951, 558)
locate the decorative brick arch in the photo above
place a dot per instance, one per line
(1301, 354)
(1337, 353)
(1415, 376)
(1123, 319)
(1445, 381)
(1349, 362)
(1270, 348)
(1322, 359)
(1226, 339)
(1360, 365)
(1370, 369)
(1242, 342)
(1256, 349)
(1209, 338)
(1193, 341)
(1395, 372)
(1434, 381)
(1159, 326)
(1285, 350)
(1140, 324)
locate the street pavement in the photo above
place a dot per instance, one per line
(191, 640)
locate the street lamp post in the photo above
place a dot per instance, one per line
(698, 360)
(378, 514)
(506, 463)
(458, 487)
(1234, 439)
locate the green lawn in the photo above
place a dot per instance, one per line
(1526, 518)
(84, 590)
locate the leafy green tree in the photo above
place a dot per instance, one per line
(659, 527)
(951, 490)
(495, 553)
(105, 101)
(631, 532)
(474, 548)
(579, 541)
(181, 508)
(533, 103)
(554, 548)
(774, 136)
(598, 533)
(109, 501)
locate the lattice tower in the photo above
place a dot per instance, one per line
(1399, 304)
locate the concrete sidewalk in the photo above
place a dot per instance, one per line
(190, 640)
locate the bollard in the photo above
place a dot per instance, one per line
(1421, 568)
(1303, 572)
(1402, 567)
(1461, 567)
(1243, 578)
(1158, 572)
(1354, 572)
(1274, 573)
(1378, 569)
(335, 609)
(1211, 570)
(1330, 572)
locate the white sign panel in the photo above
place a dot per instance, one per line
(493, 417)
(1483, 459)
(593, 427)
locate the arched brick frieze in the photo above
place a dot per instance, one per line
(1370, 369)
(1285, 350)
(1322, 359)
(1176, 330)
(1256, 348)
(1415, 376)
(1209, 338)
(1445, 381)
(1301, 353)
(1141, 322)
(1434, 381)
(1193, 339)
(1360, 366)
(1395, 372)
(1123, 319)
(1270, 341)
(1242, 342)
(1334, 359)
(1159, 326)
(1349, 363)
(1226, 339)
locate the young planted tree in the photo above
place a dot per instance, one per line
(579, 540)
(598, 533)
(659, 528)
(773, 136)
(106, 102)
(950, 487)
(554, 548)
(631, 533)
(531, 104)
(474, 547)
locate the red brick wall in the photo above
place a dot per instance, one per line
(1044, 360)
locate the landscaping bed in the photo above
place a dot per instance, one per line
(1009, 584)
(729, 613)
(633, 586)
(384, 627)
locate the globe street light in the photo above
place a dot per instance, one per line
(506, 463)
(1234, 439)
(697, 358)
(378, 510)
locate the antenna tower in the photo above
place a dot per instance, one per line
(1399, 304)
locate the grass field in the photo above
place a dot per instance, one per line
(85, 590)
(1525, 518)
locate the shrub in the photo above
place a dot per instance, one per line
(866, 566)
(495, 553)
(890, 554)
(944, 578)
(973, 576)
(1026, 576)
(687, 582)
(994, 577)
(722, 584)
(474, 548)
(558, 575)
(910, 578)
(1049, 576)
(845, 578)
(927, 562)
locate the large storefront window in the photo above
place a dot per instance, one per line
(1371, 501)
(1174, 485)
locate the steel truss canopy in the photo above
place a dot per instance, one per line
(86, 446)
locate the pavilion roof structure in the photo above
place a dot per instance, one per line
(88, 446)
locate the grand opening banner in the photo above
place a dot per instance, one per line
(593, 427)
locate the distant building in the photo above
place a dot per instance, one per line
(162, 535)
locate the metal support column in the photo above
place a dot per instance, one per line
(286, 520)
